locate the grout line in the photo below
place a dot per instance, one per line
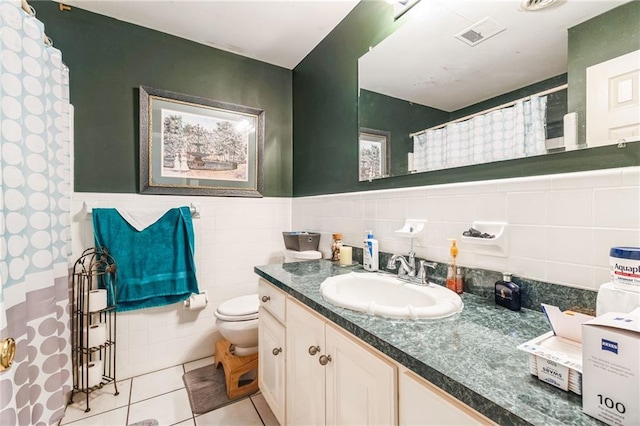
(257, 411)
(129, 402)
(184, 371)
(155, 396)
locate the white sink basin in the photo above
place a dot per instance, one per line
(387, 296)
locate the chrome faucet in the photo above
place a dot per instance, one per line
(407, 270)
(407, 267)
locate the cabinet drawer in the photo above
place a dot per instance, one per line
(272, 299)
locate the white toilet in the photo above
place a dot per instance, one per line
(237, 320)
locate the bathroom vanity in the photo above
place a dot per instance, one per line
(322, 364)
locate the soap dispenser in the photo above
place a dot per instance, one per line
(507, 294)
(452, 268)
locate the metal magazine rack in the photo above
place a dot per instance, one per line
(93, 328)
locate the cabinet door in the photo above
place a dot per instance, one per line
(421, 403)
(360, 384)
(305, 375)
(271, 363)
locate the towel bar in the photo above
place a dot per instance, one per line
(194, 207)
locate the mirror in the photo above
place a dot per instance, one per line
(476, 63)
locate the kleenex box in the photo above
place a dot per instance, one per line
(611, 372)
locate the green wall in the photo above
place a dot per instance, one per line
(109, 59)
(593, 42)
(325, 102)
(325, 95)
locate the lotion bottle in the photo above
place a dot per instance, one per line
(370, 253)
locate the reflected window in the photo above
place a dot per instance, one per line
(373, 154)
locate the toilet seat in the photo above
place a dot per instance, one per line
(243, 308)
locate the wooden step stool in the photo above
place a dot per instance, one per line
(234, 367)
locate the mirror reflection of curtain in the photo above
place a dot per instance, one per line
(34, 213)
(513, 132)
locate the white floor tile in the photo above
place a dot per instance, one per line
(198, 363)
(117, 417)
(241, 413)
(167, 409)
(263, 409)
(100, 401)
(189, 422)
(156, 383)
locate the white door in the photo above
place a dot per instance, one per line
(271, 363)
(613, 100)
(305, 375)
(360, 384)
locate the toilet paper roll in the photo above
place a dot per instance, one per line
(570, 122)
(94, 371)
(97, 334)
(612, 299)
(410, 166)
(97, 300)
(196, 302)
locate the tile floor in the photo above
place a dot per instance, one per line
(161, 395)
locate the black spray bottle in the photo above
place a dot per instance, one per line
(508, 293)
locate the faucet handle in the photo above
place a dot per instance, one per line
(422, 272)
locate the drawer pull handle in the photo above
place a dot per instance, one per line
(265, 299)
(314, 350)
(276, 351)
(324, 359)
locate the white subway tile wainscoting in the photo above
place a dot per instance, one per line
(560, 227)
(232, 235)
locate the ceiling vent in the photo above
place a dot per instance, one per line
(533, 5)
(480, 31)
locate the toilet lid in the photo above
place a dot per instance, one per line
(239, 308)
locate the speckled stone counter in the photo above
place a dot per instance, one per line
(471, 355)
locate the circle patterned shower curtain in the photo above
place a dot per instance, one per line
(34, 220)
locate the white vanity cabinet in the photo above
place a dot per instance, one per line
(272, 348)
(332, 378)
(421, 403)
(312, 372)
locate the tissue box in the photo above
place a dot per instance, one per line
(301, 241)
(556, 356)
(611, 381)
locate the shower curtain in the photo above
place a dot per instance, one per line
(34, 220)
(513, 132)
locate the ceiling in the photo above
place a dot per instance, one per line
(424, 62)
(279, 32)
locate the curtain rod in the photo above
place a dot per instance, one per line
(486, 111)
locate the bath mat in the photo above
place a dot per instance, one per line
(148, 422)
(206, 388)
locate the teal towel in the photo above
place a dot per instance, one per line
(155, 266)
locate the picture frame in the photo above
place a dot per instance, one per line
(191, 145)
(373, 154)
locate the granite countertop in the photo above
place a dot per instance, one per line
(471, 355)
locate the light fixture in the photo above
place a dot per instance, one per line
(533, 5)
(400, 7)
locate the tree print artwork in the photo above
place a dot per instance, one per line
(198, 146)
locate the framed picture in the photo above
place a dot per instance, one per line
(373, 154)
(196, 146)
